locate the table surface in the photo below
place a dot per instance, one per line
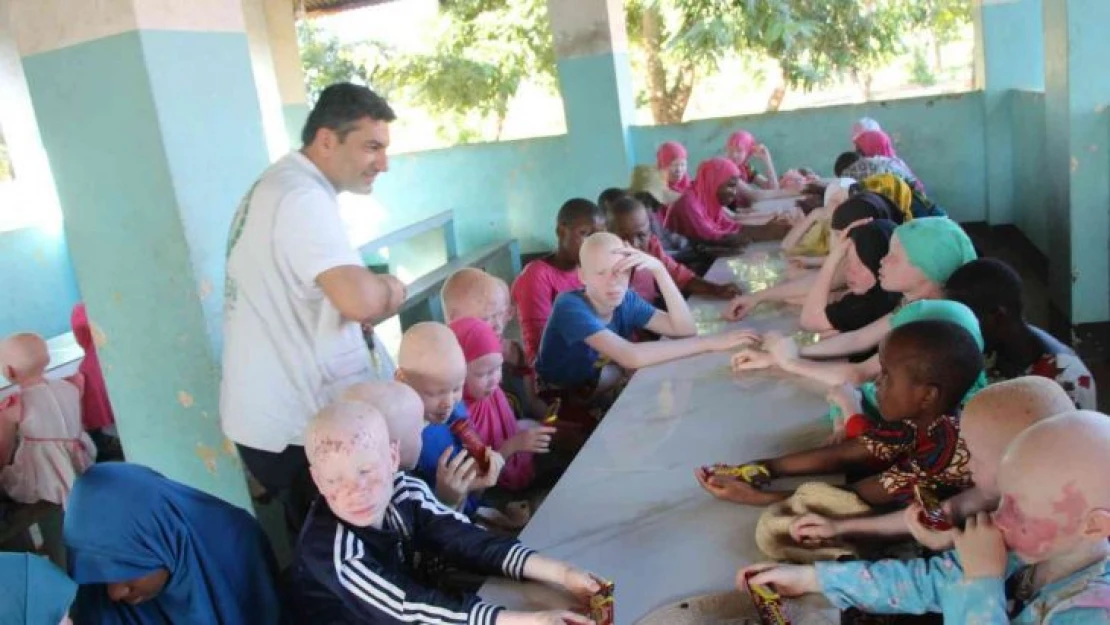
(629, 509)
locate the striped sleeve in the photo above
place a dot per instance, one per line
(379, 596)
(452, 535)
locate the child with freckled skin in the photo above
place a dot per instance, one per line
(363, 554)
(403, 412)
(431, 362)
(989, 422)
(1042, 557)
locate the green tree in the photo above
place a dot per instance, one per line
(327, 61)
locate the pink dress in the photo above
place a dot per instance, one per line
(698, 214)
(53, 449)
(534, 292)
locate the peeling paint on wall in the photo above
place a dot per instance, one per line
(1074, 164)
(205, 289)
(99, 338)
(208, 456)
(185, 399)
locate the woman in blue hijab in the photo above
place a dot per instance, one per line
(147, 550)
(34, 592)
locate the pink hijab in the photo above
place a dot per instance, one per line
(491, 417)
(668, 153)
(744, 142)
(698, 213)
(874, 143)
(96, 410)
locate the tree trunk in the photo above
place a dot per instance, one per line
(938, 62)
(668, 98)
(777, 94)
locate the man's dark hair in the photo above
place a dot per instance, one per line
(986, 285)
(625, 205)
(944, 355)
(844, 161)
(341, 106)
(610, 195)
(576, 209)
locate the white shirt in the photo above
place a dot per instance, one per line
(287, 350)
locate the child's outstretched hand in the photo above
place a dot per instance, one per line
(536, 440)
(725, 291)
(981, 548)
(751, 360)
(732, 339)
(930, 538)
(814, 528)
(454, 476)
(739, 307)
(788, 580)
(632, 258)
(733, 489)
(579, 583)
(782, 348)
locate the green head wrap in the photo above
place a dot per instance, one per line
(937, 246)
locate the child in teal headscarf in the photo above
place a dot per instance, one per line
(35, 591)
(923, 253)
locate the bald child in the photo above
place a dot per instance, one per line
(431, 362)
(993, 418)
(1042, 557)
(402, 410)
(364, 552)
(471, 292)
(587, 340)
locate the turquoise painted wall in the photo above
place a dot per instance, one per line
(295, 116)
(148, 174)
(1031, 210)
(39, 285)
(940, 137)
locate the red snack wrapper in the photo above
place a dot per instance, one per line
(767, 602)
(553, 413)
(932, 515)
(470, 441)
(602, 604)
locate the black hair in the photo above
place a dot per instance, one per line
(844, 161)
(341, 106)
(647, 199)
(986, 285)
(610, 195)
(576, 209)
(625, 205)
(944, 355)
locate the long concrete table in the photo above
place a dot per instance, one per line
(628, 508)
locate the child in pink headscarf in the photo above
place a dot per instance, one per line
(740, 148)
(673, 164)
(876, 143)
(490, 414)
(702, 213)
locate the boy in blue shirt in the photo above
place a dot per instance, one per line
(587, 346)
(1042, 557)
(432, 363)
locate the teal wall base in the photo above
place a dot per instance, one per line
(148, 181)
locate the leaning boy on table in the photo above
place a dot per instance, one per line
(365, 550)
(927, 367)
(586, 348)
(1042, 557)
(989, 422)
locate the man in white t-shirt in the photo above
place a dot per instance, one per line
(297, 294)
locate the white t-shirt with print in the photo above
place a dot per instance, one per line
(287, 350)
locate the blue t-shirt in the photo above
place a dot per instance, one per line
(435, 439)
(564, 358)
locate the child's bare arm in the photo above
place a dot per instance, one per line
(833, 373)
(638, 355)
(676, 321)
(823, 460)
(847, 343)
(871, 490)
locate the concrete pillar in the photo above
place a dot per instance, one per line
(149, 115)
(265, 78)
(1009, 54)
(282, 25)
(591, 45)
(1077, 92)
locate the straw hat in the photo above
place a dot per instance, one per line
(772, 533)
(728, 608)
(650, 180)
